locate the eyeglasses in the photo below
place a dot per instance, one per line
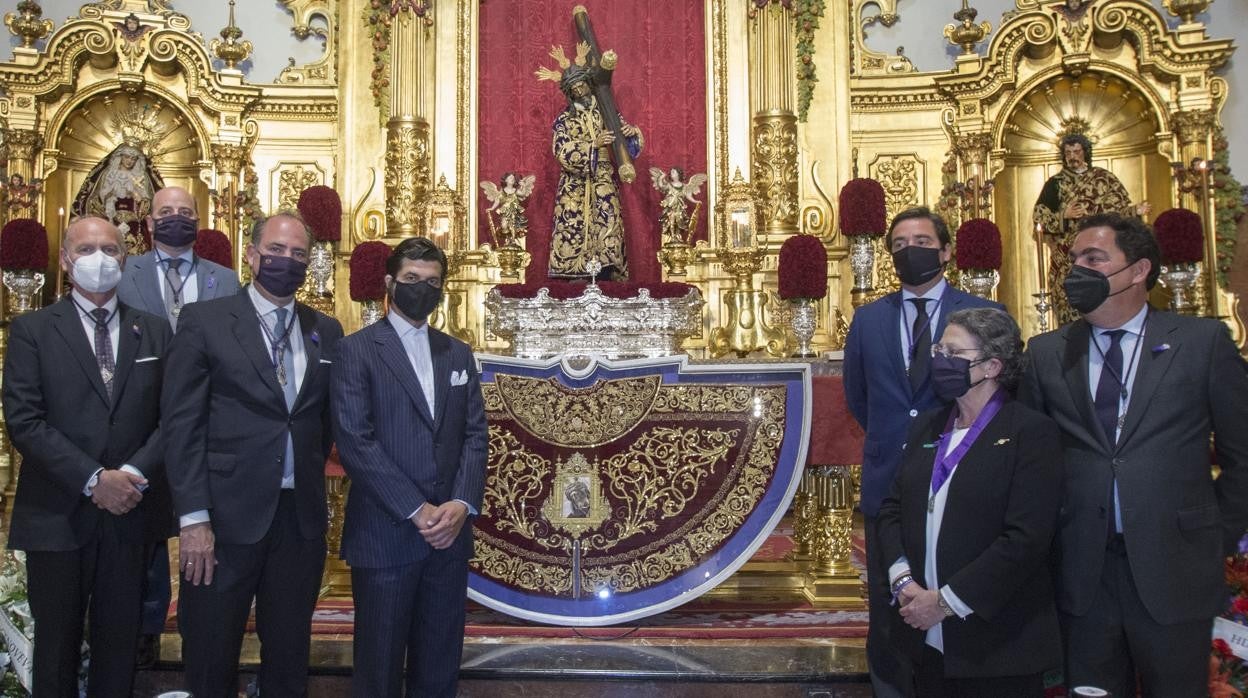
(947, 351)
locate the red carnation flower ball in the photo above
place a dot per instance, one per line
(978, 245)
(368, 271)
(321, 208)
(1181, 236)
(214, 246)
(862, 208)
(803, 269)
(24, 245)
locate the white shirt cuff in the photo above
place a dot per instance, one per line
(135, 471)
(92, 482)
(898, 569)
(195, 517)
(955, 603)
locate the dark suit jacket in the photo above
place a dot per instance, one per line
(398, 455)
(140, 287)
(1178, 523)
(64, 425)
(226, 419)
(877, 389)
(995, 537)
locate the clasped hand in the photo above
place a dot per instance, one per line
(440, 525)
(920, 607)
(117, 491)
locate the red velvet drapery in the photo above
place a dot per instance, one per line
(660, 86)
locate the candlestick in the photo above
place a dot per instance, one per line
(60, 272)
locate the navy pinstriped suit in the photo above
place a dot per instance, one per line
(409, 597)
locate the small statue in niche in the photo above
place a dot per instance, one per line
(20, 196)
(507, 200)
(674, 217)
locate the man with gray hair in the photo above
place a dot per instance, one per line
(247, 435)
(81, 391)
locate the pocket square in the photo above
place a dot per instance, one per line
(459, 378)
(146, 359)
(326, 361)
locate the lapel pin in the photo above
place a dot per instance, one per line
(315, 337)
(930, 445)
(135, 329)
(212, 282)
(1160, 348)
(1002, 442)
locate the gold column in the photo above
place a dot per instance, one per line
(833, 580)
(407, 130)
(1194, 129)
(228, 160)
(774, 137)
(22, 146)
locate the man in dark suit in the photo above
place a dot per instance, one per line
(161, 282)
(887, 384)
(1144, 528)
(246, 407)
(81, 391)
(409, 421)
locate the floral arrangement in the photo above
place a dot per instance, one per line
(978, 245)
(862, 208)
(24, 245)
(214, 246)
(952, 191)
(1228, 203)
(1228, 674)
(379, 17)
(368, 271)
(1181, 236)
(806, 14)
(321, 208)
(567, 290)
(803, 269)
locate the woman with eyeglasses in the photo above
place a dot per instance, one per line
(969, 522)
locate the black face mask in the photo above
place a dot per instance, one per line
(175, 230)
(951, 376)
(917, 265)
(281, 276)
(416, 300)
(1086, 289)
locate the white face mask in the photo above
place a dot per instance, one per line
(96, 272)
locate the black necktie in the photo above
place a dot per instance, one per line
(1110, 387)
(173, 289)
(104, 349)
(921, 351)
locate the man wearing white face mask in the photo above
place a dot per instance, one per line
(81, 398)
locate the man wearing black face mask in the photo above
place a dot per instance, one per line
(246, 415)
(160, 282)
(410, 425)
(1144, 529)
(887, 384)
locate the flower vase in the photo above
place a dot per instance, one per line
(370, 312)
(862, 262)
(803, 322)
(321, 268)
(24, 286)
(981, 282)
(1181, 279)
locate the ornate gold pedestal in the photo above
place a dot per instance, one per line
(336, 580)
(745, 330)
(832, 580)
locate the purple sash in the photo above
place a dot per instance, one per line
(945, 463)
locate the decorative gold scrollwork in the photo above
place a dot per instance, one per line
(577, 418)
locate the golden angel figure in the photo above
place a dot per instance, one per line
(678, 194)
(507, 200)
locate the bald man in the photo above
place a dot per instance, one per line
(81, 399)
(161, 282)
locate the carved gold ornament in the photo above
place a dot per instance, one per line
(27, 23)
(577, 418)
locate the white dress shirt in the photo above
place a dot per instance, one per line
(265, 311)
(190, 276)
(1098, 346)
(909, 312)
(84, 308)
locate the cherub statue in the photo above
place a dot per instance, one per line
(677, 195)
(507, 200)
(20, 196)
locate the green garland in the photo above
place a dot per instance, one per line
(1228, 202)
(806, 14)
